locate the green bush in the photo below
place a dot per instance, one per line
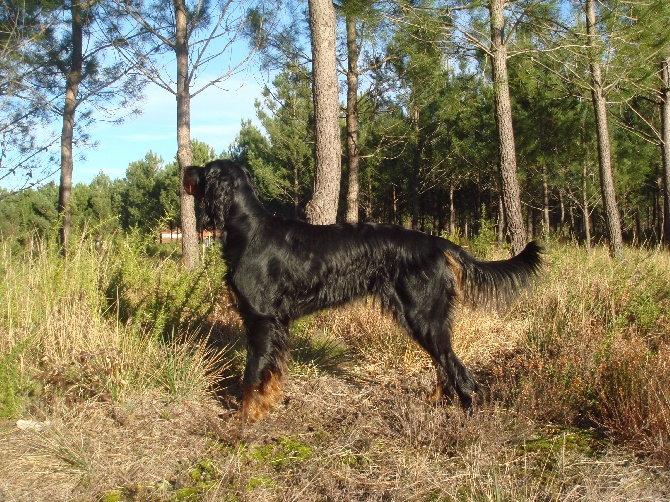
(108, 320)
(486, 239)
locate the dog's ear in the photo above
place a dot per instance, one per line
(193, 181)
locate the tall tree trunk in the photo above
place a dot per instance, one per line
(637, 234)
(545, 210)
(184, 153)
(452, 210)
(416, 166)
(352, 119)
(296, 191)
(562, 203)
(73, 79)
(610, 206)
(587, 211)
(501, 221)
(665, 145)
(503, 112)
(322, 209)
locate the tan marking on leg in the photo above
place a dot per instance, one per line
(259, 400)
(437, 394)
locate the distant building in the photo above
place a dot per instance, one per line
(207, 237)
(170, 235)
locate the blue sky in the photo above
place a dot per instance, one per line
(216, 114)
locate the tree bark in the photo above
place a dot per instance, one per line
(416, 167)
(296, 191)
(67, 134)
(501, 221)
(452, 210)
(562, 204)
(587, 211)
(352, 120)
(665, 145)
(395, 206)
(610, 206)
(184, 152)
(546, 222)
(503, 114)
(322, 209)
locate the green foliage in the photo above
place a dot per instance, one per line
(201, 478)
(191, 483)
(202, 152)
(425, 118)
(597, 351)
(103, 322)
(313, 354)
(486, 239)
(256, 482)
(284, 168)
(146, 199)
(283, 452)
(28, 213)
(150, 191)
(161, 298)
(16, 387)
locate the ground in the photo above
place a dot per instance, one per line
(357, 434)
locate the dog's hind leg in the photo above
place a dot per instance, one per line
(464, 383)
(426, 307)
(452, 375)
(267, 355)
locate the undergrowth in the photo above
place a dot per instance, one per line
(115, 350)
(597, 349)
(102, 323)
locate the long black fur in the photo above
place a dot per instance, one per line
(282, 269)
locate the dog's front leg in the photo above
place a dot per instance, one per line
(267, 355)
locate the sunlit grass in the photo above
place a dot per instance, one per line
(64, 338)
(109, 352)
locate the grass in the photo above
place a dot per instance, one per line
(66, 341)
(129, 368)
(597, 349)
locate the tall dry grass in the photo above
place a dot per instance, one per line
(103, 323)
(597, 350)
(109, 346)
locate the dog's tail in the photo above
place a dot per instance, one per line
(493, 284)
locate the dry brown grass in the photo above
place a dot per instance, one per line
(331, 439)
(122, 415)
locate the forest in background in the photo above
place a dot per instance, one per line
(426, 150)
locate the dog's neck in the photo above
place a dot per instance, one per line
(246, 202)
(245, 212)
(244, 220)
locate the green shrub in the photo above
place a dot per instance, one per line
(106, 321)
(486, 239)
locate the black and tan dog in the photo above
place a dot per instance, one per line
(281, 269)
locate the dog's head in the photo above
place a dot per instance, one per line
(216, 185)
(194, 182)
